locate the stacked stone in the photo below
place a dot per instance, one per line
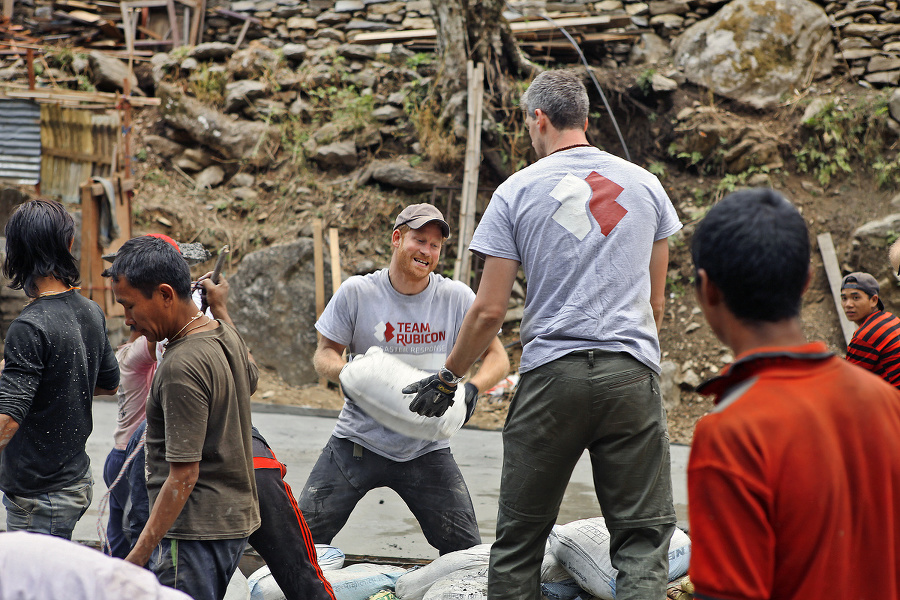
(319, 23)
(868, 39)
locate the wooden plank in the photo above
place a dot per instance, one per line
(319, 263)
(89, 232)
(8, 9)
(335, 259)
(603, 21)
(466, 227)
(12, 90)
(833, 271)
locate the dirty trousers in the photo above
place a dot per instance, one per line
(607, 403)
(431, 485)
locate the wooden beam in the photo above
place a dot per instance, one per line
(525, 27)
(8, 9)
(76, 156)
(319, 263)
(833, 271)
(462, 268)
(335, 259)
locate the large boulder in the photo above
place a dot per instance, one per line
(273, 303)
(400, 174)
(109, 73)
(231, 138)
(756, 51)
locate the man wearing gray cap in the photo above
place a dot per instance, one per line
(875, 345)
(413, 314)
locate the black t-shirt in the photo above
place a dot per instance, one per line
(57, 352)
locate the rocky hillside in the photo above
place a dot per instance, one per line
(309, 120)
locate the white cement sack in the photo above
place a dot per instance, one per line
(551, 570)
(413, 584)
(238, 587)
(582, 547)
(329, 557)
(262, 585)
(374, 381)
(358, 582)
(468, 584)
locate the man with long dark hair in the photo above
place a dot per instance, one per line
(57, 357)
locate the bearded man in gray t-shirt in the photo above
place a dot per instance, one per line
(412, 313)
(589, 230)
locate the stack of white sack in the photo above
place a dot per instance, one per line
(582, 548)
(263, 587)
(415, 583)
(576, 565)
(374, 381)
(356, 582)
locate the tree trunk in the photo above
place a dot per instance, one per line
(476, 30)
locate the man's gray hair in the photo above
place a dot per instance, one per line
(561, 95)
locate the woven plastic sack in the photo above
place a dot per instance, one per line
(374, 380)
(263, 586)
(238, 587)
(360, 581)
(582, 547)
(468, 584)
(415, 583)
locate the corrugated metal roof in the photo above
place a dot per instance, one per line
(20, 141)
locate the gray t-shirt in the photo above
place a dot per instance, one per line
(420, 330)
(582, 223)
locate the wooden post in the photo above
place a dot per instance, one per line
(833, 271)
(8, 10)
(462, 269)
(319, 262)
(29, 60)
(335, 259)
(126, 125)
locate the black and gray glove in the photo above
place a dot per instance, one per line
(433, 396)
(471, 399)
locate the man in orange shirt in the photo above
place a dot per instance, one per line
(875, 346)
(785, 499)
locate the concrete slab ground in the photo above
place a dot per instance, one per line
(381, 525)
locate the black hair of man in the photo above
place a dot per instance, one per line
(754, 246)
(38, 236)
(561, 95)
(147, 262)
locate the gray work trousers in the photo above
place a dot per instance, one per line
(608, 403)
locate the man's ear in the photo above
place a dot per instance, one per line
(585, 124)
(167, 292)
(396, 236)
(540, 119)
(809, 276)
(708, 294)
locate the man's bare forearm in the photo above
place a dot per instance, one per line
(494, 367)
(169, 503)
(8, 428)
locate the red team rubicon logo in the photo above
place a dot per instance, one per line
(595, 191)
(405, 333)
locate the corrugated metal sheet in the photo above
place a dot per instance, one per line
(20, 141)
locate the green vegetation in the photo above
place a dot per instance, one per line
(208, 84)
(645, 81)
(439, 145)
(842, 138)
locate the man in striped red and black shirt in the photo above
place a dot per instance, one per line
(875, 345)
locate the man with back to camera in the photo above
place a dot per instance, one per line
(57, 357)
(589, 230)
(794, 476)
(875, 345)
(199, 460)
(384, 309)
